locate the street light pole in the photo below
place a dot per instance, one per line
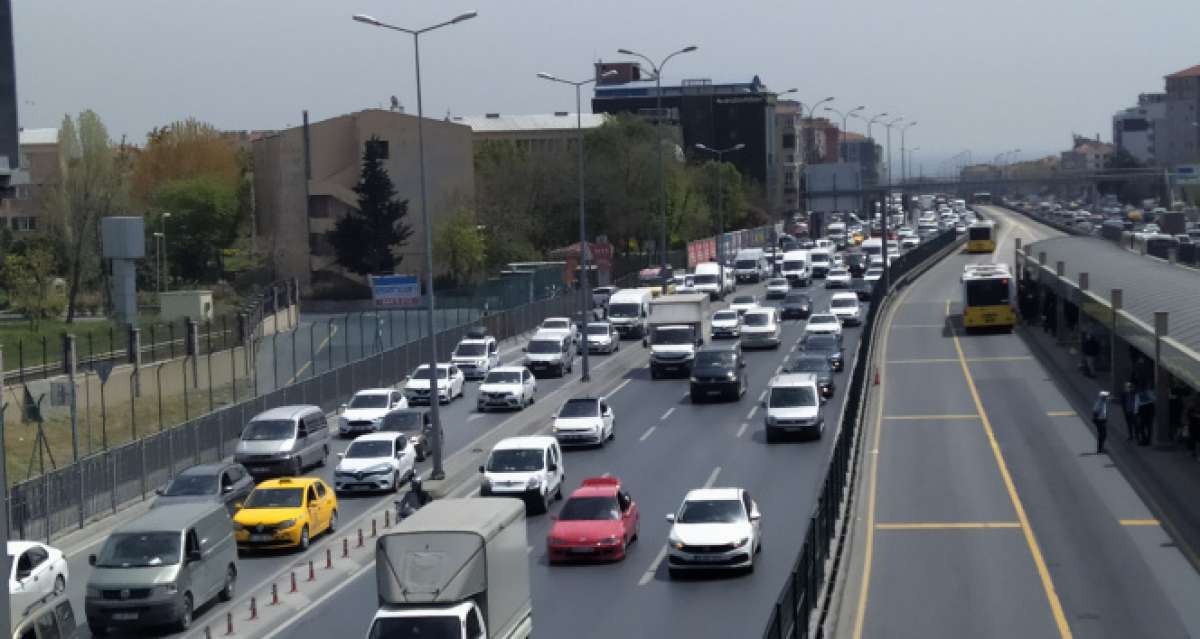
(585, 294)
(811, 111)
(903, 161)
(163, 255)
(662, 185)
(720, 153)
(437, 472)
(889, 126)
(845, 116)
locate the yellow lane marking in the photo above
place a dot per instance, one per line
(949, 525)
(921, 418)
(320, 347)
(1056, 609)
(1139, 522)
(955, 360)
(865, 588)
(1060, 413)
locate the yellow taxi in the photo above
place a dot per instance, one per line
(285, 513)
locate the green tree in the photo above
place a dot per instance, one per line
(204, 220)
(28, 279)
(93, 185)
(459, 245)
(364, 241)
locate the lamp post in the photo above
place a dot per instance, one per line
(845, 116)
(585, 294)
(811, 111)
(437, 472)
(720, 198)
(903, 161)
(662, 185)
(889, 126)
(162, 254)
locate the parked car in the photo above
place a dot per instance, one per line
(225, 483)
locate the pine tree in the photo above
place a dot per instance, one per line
(364, 241)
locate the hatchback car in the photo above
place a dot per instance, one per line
(584, 421)
(726, 323)
(718, 372)
(228, 483)
(286, 513)
(827, 345)
(743, 303)
(760, 328)
(823, 323)
(597, 522)
(796, 305)
(507, 387)
(777, 287)
(450, 383)
(714, 528)
(363, 412)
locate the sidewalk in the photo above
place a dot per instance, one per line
(1166, 478)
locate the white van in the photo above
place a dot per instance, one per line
(628, 309)
(796, 268)
(820, 261)
(709, 278)
(528, 468)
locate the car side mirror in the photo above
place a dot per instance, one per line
(91, 560)
(342, 408)
(552, 467)
(481, 468)
(525, 348)
(237, 505)
(671, 517)
(755, 515)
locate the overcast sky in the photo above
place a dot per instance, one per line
(980, 75)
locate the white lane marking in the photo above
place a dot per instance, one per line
(606, 475)
(779, 369)
(648, 576)
(646, 434)
(619, 387)
(750, 415)
(528, 550)
(475, 416)
(712, 478)
(762, 395)
(316, 604)
(794, 347)
(668, 413)
(742, 429)
(685, 394)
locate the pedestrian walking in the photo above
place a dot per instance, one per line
(1091, 349)
(1129, 408)
(1100, 420)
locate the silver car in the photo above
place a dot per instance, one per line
(284, 441)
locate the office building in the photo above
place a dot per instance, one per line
(867, 154)
(791, 157)
(22, 206)
(1135, 129)
(1086, 154)
(1178, 142)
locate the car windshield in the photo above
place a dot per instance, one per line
(139, 550)
(627, 309)
(544, 346)
(721, 316)
(275, 498)
(673, 336)
(192, 484)
(363, 450)
(796, 299)
(422, 372)
(714, 359)
(515, 460)
(792, 397)
(843, 302)
(268, 429)
(470, 350)
(712, 511)
(590, 509)
(743, 299)
(778, 282)
(821, 342)
(503, 377)
(580, 408)
(744, 264)
(401, 422)
(597, 329)
(837, 272)
(810, 365)
(372, 400)
(793, 265)
(556, 325)
(874, 271)
(819, 258)
(822, 319)
(756, 319)
(432, 627)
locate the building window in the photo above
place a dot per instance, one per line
(22, 192)
(24, 223)
(789, 141)
(381, 146)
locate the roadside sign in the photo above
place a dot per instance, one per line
(395, 290)
(60, 393)
(103, 369)
(1187, 174)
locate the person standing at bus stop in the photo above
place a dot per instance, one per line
(1100, 420)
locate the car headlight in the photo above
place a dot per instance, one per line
(534, 482)
(610, 540)
(731, 375)
(166, 589)
(675, 543)
(378, 469)
(285, 524)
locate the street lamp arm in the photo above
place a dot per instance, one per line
(635, 54)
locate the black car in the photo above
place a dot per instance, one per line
(818, 365)
(827, 345)
(862, 288)
(797, 305)
(227, 483)
(413, 423)
(718, 372)
(856, 263)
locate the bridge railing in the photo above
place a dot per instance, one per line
(795, 609)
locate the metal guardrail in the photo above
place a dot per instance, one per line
(791, 616)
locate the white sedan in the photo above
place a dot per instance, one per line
(760, 327)
(743, 303)
(584, 420)
(726, 323)
(873, 274)
(376, 461)
(837, 278)
(37, 570)
(714, 528)
(367, 408)
(777, 287)
(450, 383)
(507, 387)
(823, 323)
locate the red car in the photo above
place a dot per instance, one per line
(598, 522)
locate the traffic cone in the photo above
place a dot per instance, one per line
(876, 375)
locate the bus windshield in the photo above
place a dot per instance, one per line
(979, 233)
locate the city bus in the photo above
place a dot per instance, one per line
(981, 237)
(986, 294)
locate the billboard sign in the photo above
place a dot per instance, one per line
(395, 291)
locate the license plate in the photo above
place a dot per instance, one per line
(712, 392)
(707, 559)
(262, 537)
(581, 551)
(124, 616)
(989, 317)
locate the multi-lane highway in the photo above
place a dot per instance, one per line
(664, 446)
(984, 510)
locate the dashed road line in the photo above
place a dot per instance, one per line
(742, 429)
(648, 576)
(1139, 522)
(750, 415)
(647, 434)
(667, 414)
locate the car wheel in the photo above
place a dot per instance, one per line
(303, 538)
(396, 481)
(185, 619)
(333, 521)
(226, 593)
(60, 584)
(771, 436)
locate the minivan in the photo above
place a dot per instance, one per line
(550, 353)
(159, 568)
(529, 468)
(284, 441)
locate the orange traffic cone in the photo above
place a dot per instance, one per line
(876, 375)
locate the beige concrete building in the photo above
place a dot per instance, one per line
(291, 231)
(534, 132)
(39, 173)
